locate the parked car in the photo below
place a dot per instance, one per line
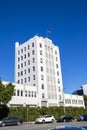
(82, 117)
(68, 128)
(85, 127)
(11, 121)
(66, 118)
(45, 119)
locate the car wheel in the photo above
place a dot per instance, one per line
(43, 121)
(72, 120)
(3, 124)
(18, 123)
(64, 120)
(52, 121)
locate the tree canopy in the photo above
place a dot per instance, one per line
(6, 92)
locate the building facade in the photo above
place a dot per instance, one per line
(37, 64)
(25, 95)
(38, 72)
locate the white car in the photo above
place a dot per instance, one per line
(45, 119)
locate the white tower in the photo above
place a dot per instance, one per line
(37, 63)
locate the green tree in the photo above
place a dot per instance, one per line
(6, 92)
(85, 100)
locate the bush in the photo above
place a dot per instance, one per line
(31, 113)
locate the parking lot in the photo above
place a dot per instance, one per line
(32, 126)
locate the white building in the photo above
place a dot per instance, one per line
(25, 95)
(38, 78)
(37, 64)
(84, 88)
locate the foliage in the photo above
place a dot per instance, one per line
(85, 100)
(4, 110)
(6, 92)
(31, 113)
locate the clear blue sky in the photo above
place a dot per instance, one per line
(67, 19)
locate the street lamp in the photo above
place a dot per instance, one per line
(64, 102)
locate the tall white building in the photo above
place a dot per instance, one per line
(38, 78)
(37, 64)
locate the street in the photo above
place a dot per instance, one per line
(41, 126)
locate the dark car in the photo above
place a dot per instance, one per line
(11, 121)
(66, 118)
(68, 128)
(82, 117)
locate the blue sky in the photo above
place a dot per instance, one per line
(67, 19)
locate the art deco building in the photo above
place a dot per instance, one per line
(37, 64)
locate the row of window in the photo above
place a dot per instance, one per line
(24, 93)
(68, 101)
(28, 48)
(48, 48)
(28, 63)
(25, 80)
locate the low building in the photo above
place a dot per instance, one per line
(81, 91)
(26, 95)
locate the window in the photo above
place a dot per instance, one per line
(14, 92)
(21, 50)
(18, 58)
(74, 101)
(35, 94)
(21, 65)
(33, 77)
(56, 65)
(24, 48)
(25, 56)
(28, 70)
(18, 66)
(33, 68)
(18, 81)
(29, 78)
(32, 44)
(40, 45)
(42, 77)
(25, 80)
(24, 71)
(80, 101)
(57, 73)
(24, 63)
(42, 86)
(29, 94)
(41, 60)
(18, 92)
(21, 73)
(56, 59)
(21, 92)
(33, 52)
(28, 62)
(59, 89)
(55, 52)
(33, 60)
(43, 96)
(32, 94)
(67, 101)
(25, 93)
(40, 52)
(28, 47)
(41, 68)
(58, 81)
(28, 54)
(18, 52)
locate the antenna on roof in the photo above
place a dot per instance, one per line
(48, 32)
